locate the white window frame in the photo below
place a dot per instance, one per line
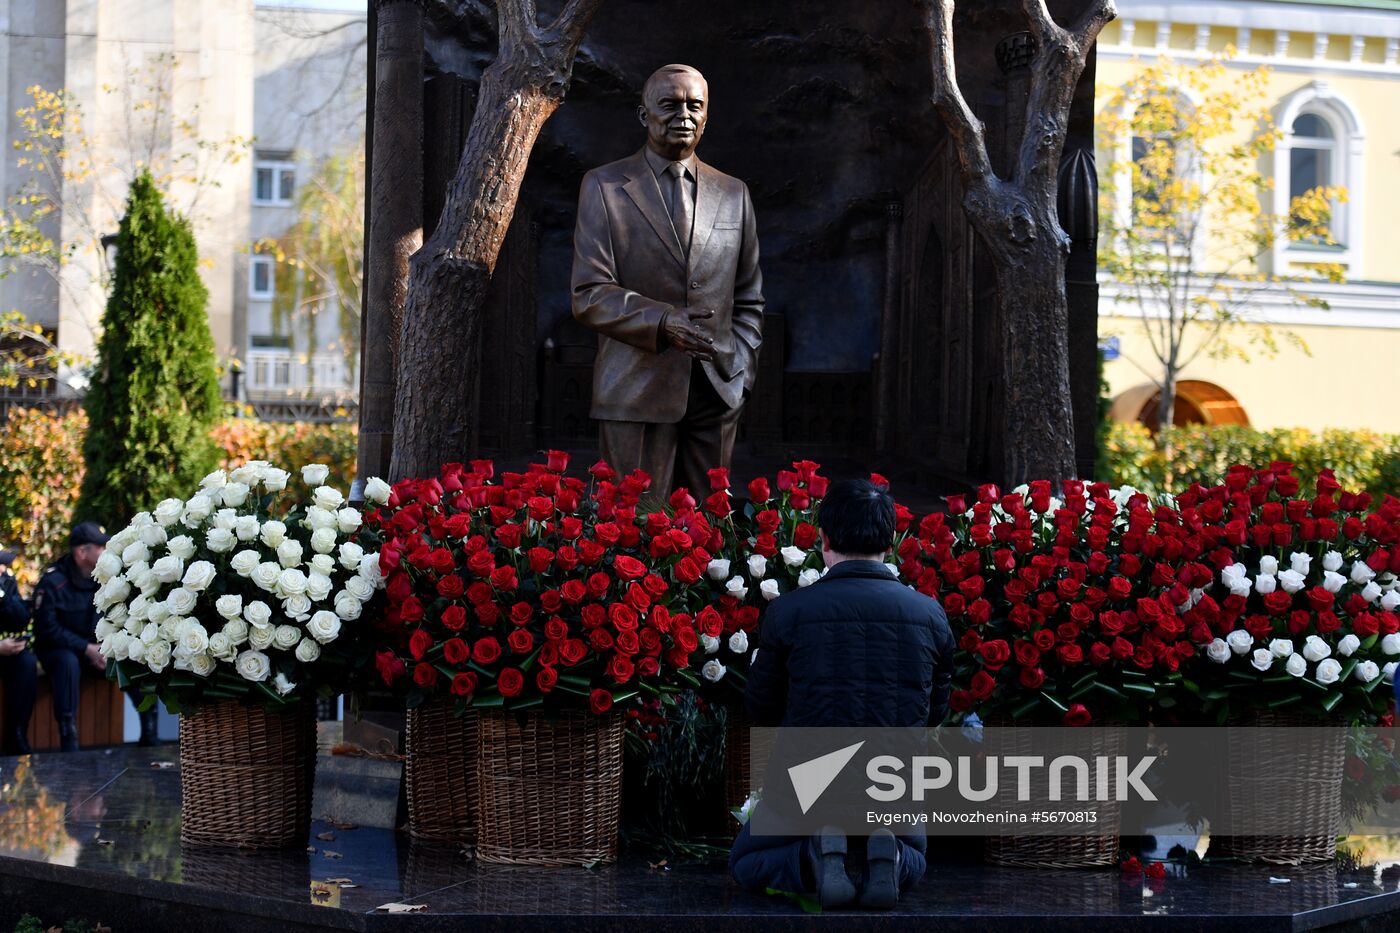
(278, 167)
(254, 262)
(1320, 100)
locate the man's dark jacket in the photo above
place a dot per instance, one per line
(64, 614)
(14, 612)
(856, 648)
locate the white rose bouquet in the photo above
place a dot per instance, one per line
(238, 592)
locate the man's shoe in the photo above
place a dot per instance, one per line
(826, 856)
(150, 728)
(881, 888)
(16, 742)
(67, 734)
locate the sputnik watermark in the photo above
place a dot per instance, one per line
(934, 773)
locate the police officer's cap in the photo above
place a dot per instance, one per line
(87, 533)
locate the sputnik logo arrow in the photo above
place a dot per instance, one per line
(811, 778)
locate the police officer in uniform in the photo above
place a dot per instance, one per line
(65, 620)
(17, 665)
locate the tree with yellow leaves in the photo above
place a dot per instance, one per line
(1184, 228)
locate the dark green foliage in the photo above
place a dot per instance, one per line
(155, 393)
(29, 924)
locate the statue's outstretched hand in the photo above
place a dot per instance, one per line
(682, 333)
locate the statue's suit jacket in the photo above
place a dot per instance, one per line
(629, 271)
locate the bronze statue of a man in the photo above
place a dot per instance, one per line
(666, 271)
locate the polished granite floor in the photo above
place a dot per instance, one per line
(96, 835)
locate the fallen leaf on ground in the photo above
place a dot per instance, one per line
(397, 908)
(104, 842)
(311, 850)
(656, 865)
(162, 765)
(1273, 880)
(343, 826)
(329, 854)
(337, 881)
(326, 837)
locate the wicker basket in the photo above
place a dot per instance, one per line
(549, 788)
(1255, 764)
(1099, 850)
(739, 780)
(440, 773)
(246, 775)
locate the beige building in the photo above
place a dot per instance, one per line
(1334, 91)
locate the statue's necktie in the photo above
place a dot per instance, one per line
(682, 210)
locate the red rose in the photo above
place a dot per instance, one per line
(503, 578)
(1156, 870)
(759, 491)
(546, 678)
(717, 504)
(765, 544)
(982, 685)
(601, 639)
(598, 584)
(804, 535)
(719, 478)
(486, 651)
(455, 651)
(551, 601)
(488, 613)
(710, 622)
(1099, 654)
(994, 654)
(1027, 654)
(540, 558)
(572, 651)
(623, 617)
(628, 643)
(481, 563)
(1032, 678)
(594, 615)
(411, 611)
(451, 586)
(600, 701)
(521, 641)
(1077, 715)
(419, 643)
(510, 682)
(566, 558)
(389, 666)
(1319, 599)
(637, 597)
(521, 613)
(573, 592)
(1070, 655)
(464, 684)
(1327, 622)
(621, 669)
(629, 568)
(687, 571)
(556, 629)
(1365, 625)
(508, 536)
(425, 676)
(1278, 602)
(685, 638)
(1044, 639)
(589, 553)
(454, 618)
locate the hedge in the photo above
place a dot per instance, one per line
(41, 471)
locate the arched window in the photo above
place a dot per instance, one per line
(1322, 145)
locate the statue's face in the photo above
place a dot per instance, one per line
(674, 112)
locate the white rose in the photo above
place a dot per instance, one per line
(297, 607)
(323, 564)
(199, 575)
(360, 588)
(739, 642)
(1361, 574)
(793, 556)
(193, 637)
(328, 498)
(718, 569)
(257, 614)
(1371, 591)
(283, 685)
(710, 643)
(253, 665)
(181, 601)
(322, 541)
(1262, 659)
(247, 527)
(136, 649)
(1390, 644)
(769, 589)
(1366, 671)
(1292, 581)
(114, 591)
(314, 474)
(1315, 649)
(1240, 641)
(1281, 647)
(758, 566)
(376, 490)
(318, 518)
(291, 582)
(1348, 645)
(350, 555)
(308, 650)
(158, 655)
(234, 494)
(261, 638)
(289, 553)
(225, 519)
(1300, 562)
(236, 631)
(894, 571)
(170, 628)
(197, 509)
(347, 606)
(1388, 672)
(1333, 582)
(1240, 586)
(273, 533)
(135, 622)
(221, 648)
(117, 614)
(103, 629)
(244, 563)
(1265, 583)
(151, 633)
(214, 480)
(200, 664)
(1391, 600)
(275, 480)
(152, 536)
(1332, 560)
(266, 575)
(285, 636)
(348, 520)
(230, 606)
(168, 569)
(1328, 671)
(220, 540)
(324, 627)
(249, 473)
(712, 671)
(1268, 566)
(181, 546)
(808, 577)
(318, 587)
(736, 588)
(169, 511)
(108, 566)
(369, 569)
(135, 551)
(1295, 665)
(1218, 651)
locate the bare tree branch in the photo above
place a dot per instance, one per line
(573, 20)
(966, 130)
(1043, 25)
(1091, 23)
(518, 22)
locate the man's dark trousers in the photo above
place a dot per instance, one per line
(762, 862)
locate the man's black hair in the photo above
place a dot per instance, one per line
(858, 517)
